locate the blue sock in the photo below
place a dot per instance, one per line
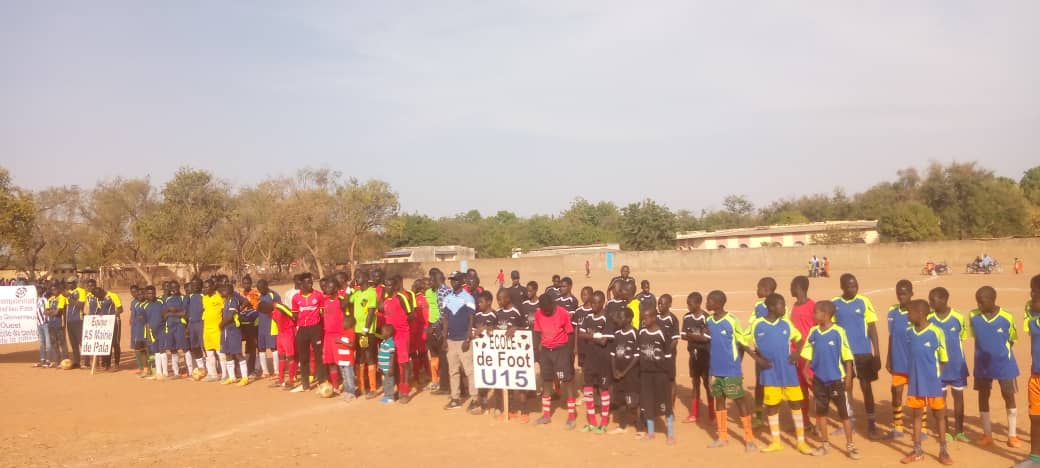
(650, 426)
(671, 428)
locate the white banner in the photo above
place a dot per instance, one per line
(18, 314)
(97, 335)
(501, 362)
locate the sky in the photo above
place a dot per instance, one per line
(521, 106)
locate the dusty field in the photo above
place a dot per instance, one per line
(70, 418)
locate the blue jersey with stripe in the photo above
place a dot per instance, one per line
(853, 316)
(993, 339)
(954, 329)
(193, 307)
(899, 334)
(726, 357)
(175, 301)
(773, 342)
(761, 311)
(927, 354)
(1032, 325)
(827, 351)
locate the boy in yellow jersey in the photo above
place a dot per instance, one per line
(212, 310)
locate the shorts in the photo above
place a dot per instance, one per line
(402, 345)
(627, 388)
(176, 339)
(671, 363)
(1007, 387)
(866, 367)
(827, 393)
(195, 335)
(900, 380)
(285, 343)
(595, 379)
(266, 341)
(729, 387)
(330, 347)
(655, 394)
(772, 396)
(140, 345)
(211, 338)
(231, 340)
(700, 360)
(1034, 395)
(933, 403)
(557, 363)
(956, 384)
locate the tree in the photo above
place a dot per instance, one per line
(1030, 185)
(647, 226)
(17, 218)
(909, 222)
(57, 233)
(365, 208)
(738, 205)
(971, 202)
(185, 224)
(116, 216)
(788, 216)
(311, 208)
(413, 230)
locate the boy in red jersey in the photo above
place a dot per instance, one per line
(420, 321)
(307, 307)
(397, 308)
(285, 341)
(552, 329)
(333, 315)
(802, 318)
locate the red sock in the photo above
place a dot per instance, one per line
(293, 368)
(695, 409)
(334, 376)
(546, 405)
(590, 405)
(281, 371)
(604, 408)
(572, 412)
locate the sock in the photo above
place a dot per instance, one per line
(571, 411)
(200, 363)
(669, 422)
(211, 364)
(264, 367)
(1012, 415)
(799, 424)
(176, 358)
(604, 408)
(749, 435)
(711, 411)
(848, 406)
(774, 427)
(281, 371)
(720, 424)
(546, 402)
(293, 368)
(229, 369)
(188, 361)
(140, 362)
(1035, 458)
(590, 405)
(435, 369)
(359, 376)
(987, 424)
(372, 378)
(695, 409)
(243, 367)
(160, 364)
(223, 366)
(897, 418)
(650, 426)
(333, 376)
(274, 359)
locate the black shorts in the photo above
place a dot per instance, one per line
(625, 390)
(700, 360)
(557, 363)
(141, 345)
(655, 394)
(827, 393)
(866, 367)
(1007, 387)
(671, 363)
(596, 379)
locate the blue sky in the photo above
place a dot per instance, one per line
(525, 105)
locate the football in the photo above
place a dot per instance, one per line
(325, 390)
(66, 364)
(198, 374)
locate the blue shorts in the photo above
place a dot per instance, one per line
(958, 384)
(175, 339)
(231, 340)
(266, 341)
(195, 335)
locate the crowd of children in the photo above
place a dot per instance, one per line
(372, 332)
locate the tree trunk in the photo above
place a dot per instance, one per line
(143, 272)
(350, 256)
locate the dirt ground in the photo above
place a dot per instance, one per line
(70, 418)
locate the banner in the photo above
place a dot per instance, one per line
(18, 314)
(505, 363)
(97, 335)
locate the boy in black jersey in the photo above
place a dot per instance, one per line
(595, 334)
(655, 391)
(510, 319)
(483, 322)
(624, 361)
(698, 345)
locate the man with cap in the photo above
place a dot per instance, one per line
(457, 312)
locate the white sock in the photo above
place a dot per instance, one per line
(848, 404)
(223, 366)
(263, 363)
(160, 367)
(1012, 422)
(229, 367)
(176, 359)
(987, 424)
(274, 360)
(243, 366)
(188, 361)
(211, 363)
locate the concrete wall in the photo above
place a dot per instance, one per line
(842, 257)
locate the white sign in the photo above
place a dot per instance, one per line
(97, 335)
(503, 362)
(18, 314)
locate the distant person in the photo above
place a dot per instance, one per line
(42, 329)
(1019, 267)
(826, 267)
(588, 269)
(501, 279)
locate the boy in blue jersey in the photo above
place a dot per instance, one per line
(1032, 325)
(955, 373)
(898, 361)
(771, 338)
(138, 335)
(994, 331)
(728, 342)
(175, 327)
(231, 334)
(193, 311)
(927, 357)
(831, 361)
(765, 287)
(267, 330)
(154, 326)
(855, 314)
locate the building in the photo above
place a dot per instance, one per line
(786, 235)
(567, 250)
(429, 253)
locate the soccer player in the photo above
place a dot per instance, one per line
(193, 308)
(655, 391)
(266, 331)
(57, 303)
(955, 372)
(669, 325)
(77, 302)
(623, 278)
(397, 309)
(284, 318)
(231, 335)
(552, 326)
(771, 338)
(927, 356)
(386, 353)
(457, 311)
(108, 303)
(333, 315)
(831, 361)
(763, 289)
(698, 345)
(155, 327)
(212, 314)
(624, 362)
(994, 331)
(855, 314)
(1032, 325)
(727, 341)
(364, 302)
(249, 318)
(802, 318)
(307, 308)
(175, 327)
(898, 361)
(138, 334)
(484, 321)
(418, 322)
(433, 338)
(596, 333)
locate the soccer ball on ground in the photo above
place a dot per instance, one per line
(325, 390)
(66, 364)
(198, 374)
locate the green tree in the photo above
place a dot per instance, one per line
(971, 202)
(17, 219)
(185, 225)
(413, 230)
(116, 215)
(364, 208)
(909, 222)
(647, 226)
(788, 216)
(1030, 185)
